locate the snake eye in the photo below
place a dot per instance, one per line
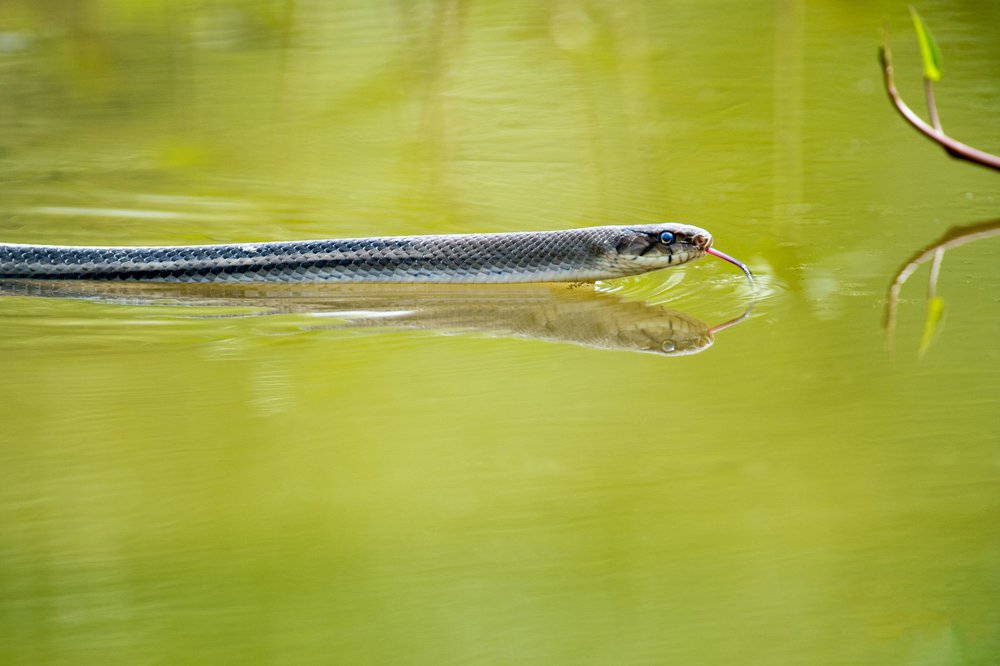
(667, 237)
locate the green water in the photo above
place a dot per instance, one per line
(486, 476)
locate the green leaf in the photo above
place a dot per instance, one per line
(928, 48)
(935, 312)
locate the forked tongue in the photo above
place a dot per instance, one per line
(735, 262)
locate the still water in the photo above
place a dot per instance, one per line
(537, 474)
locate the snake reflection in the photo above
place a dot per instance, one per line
(560, 313)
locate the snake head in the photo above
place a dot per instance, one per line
(647, 247)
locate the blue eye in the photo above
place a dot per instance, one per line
(667, 237)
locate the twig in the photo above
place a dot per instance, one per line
(932, 105)
(934, 133)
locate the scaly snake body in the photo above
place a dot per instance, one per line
(573, 255)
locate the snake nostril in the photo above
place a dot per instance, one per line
(701, 240)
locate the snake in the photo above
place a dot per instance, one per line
(571, 255)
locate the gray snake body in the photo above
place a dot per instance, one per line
(572, 255)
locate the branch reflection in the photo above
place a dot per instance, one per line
(954, 237)
(579, 315)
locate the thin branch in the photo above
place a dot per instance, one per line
(932, 105)
(952, 147)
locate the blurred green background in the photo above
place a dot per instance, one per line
(182, 486)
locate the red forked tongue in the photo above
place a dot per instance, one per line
(735, 262)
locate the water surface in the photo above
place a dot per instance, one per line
(470, 476)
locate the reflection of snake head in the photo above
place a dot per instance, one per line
(683, 346)
(671, 333)
(652, 246)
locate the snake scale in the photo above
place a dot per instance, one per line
(573, 255)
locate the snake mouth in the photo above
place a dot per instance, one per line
(732, 260)
(660, 256)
